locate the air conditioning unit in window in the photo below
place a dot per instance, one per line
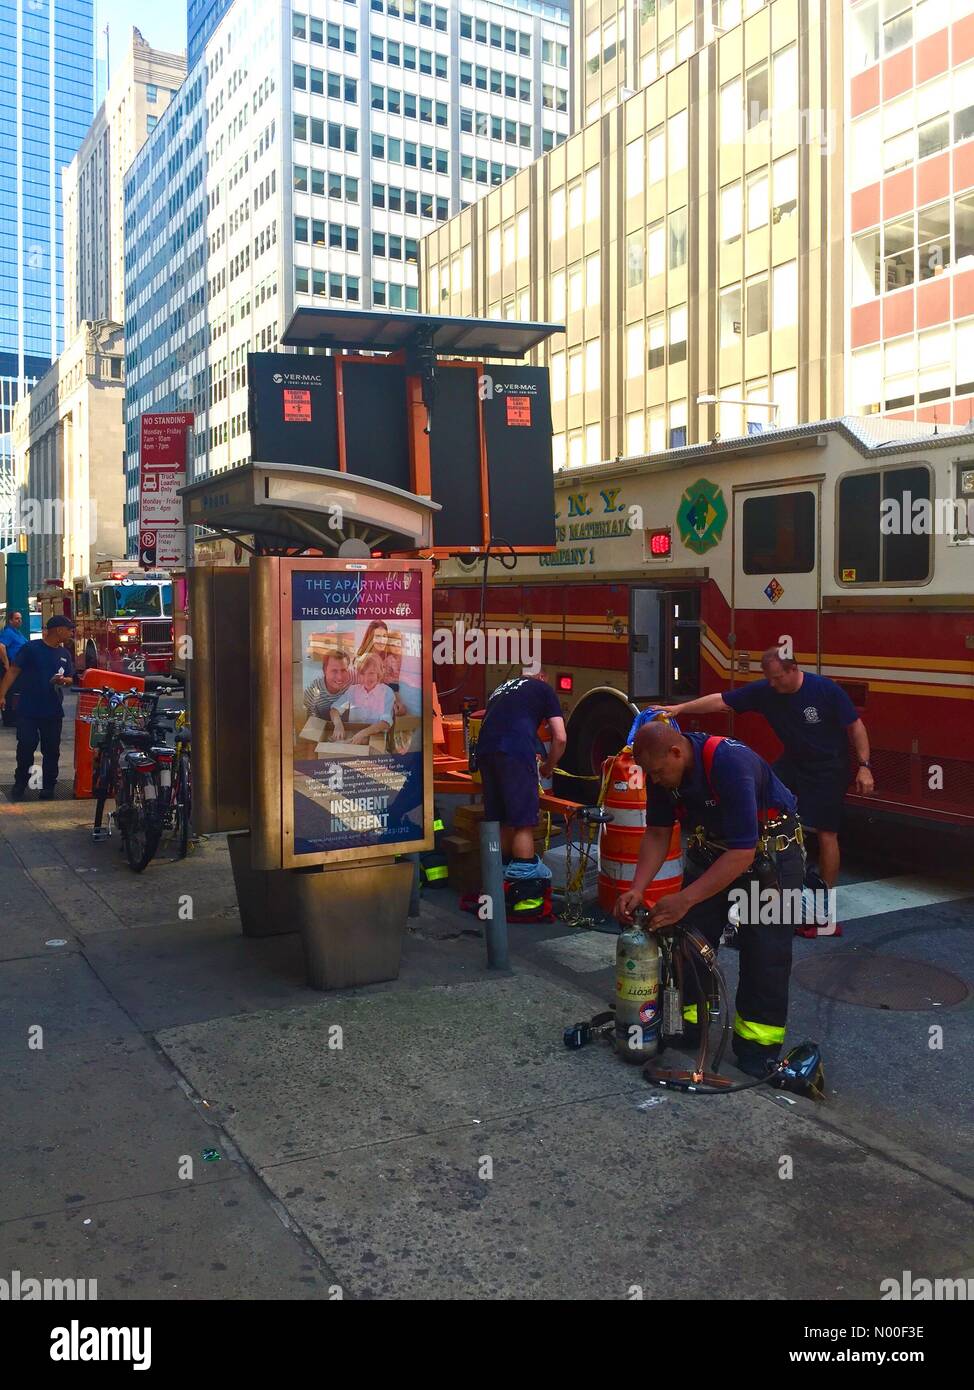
(738, 327)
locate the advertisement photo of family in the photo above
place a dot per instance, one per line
(357, 710)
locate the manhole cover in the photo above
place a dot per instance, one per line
(881, 982)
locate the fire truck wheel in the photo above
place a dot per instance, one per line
(596, 731)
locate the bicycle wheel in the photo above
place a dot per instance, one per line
(139, 817)
(101, 784)
(184, 804)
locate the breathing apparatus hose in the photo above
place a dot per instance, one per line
(700, 953)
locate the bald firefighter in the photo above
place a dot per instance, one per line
(745, 848)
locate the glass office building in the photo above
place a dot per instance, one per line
(47, 91)
(202, 17)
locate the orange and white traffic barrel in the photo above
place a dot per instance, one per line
(620, 840)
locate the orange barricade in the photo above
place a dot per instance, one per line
(620, 840)
(83, 753)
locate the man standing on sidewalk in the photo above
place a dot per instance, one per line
(40, 669)
(11, 641)
(816, 721)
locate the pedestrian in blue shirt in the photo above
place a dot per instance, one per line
(745, 850)
(41, 670)
(11, 641)
(815, 721)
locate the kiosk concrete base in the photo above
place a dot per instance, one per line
(263, 895)
(351, 920)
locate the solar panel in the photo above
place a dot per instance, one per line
(362, 331)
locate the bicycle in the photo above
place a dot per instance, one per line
(127, 766)
(176, 783)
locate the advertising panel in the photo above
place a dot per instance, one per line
(356, 716)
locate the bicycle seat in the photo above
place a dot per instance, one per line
(139, 738)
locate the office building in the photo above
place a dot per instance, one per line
(69, 442)
(143, 84)
(689, 237)
(910, 201)
(47, 84)
(325, 140)
(768, 203)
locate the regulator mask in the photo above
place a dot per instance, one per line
(802, 1071)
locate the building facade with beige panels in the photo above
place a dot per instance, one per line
(93, 189)
(690, 239)
(69, 442)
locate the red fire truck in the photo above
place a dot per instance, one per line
(124, 620)
(673, 574)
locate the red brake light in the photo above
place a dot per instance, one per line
(565, 684)
(660, 542)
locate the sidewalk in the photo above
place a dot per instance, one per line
(450, 1148)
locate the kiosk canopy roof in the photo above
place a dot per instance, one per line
(361, 331)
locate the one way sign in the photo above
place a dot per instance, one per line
(147, 549)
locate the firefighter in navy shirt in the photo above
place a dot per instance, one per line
(40, 670)
(744, 826)
(815, 721)
(507, 759)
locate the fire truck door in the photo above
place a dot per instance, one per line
(777, 584)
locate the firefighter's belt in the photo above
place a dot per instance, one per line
(769, 843)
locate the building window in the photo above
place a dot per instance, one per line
(757, 96)
(678, 239)
(678, 335)
(678, 425)
(151, 93)
(784, 295)
(678, 139)
(730, 316)
(757, 201)
(635, 260)
(757, 306)
(784, 183)
(656, 353)
(898, 25)
(730, 213)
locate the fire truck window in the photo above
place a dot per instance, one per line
(779, 534)
(108, 601)
(867, 553)
(906, 556)
(859, 549)
(138, 600)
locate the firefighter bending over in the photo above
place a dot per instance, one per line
(743, 830)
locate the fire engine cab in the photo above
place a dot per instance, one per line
(124, 620)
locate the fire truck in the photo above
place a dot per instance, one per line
(124, 620)
(851, 539)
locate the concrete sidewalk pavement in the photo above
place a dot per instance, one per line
(429, 1138)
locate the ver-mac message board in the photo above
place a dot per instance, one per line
(355, 754)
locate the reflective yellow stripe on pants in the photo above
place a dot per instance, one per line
(690, 1013)
(765, 1034)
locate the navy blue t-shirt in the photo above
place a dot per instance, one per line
(741, 784)
(514, 711)
(811, 723)
(37, 697)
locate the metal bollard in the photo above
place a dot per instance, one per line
(492, 881)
